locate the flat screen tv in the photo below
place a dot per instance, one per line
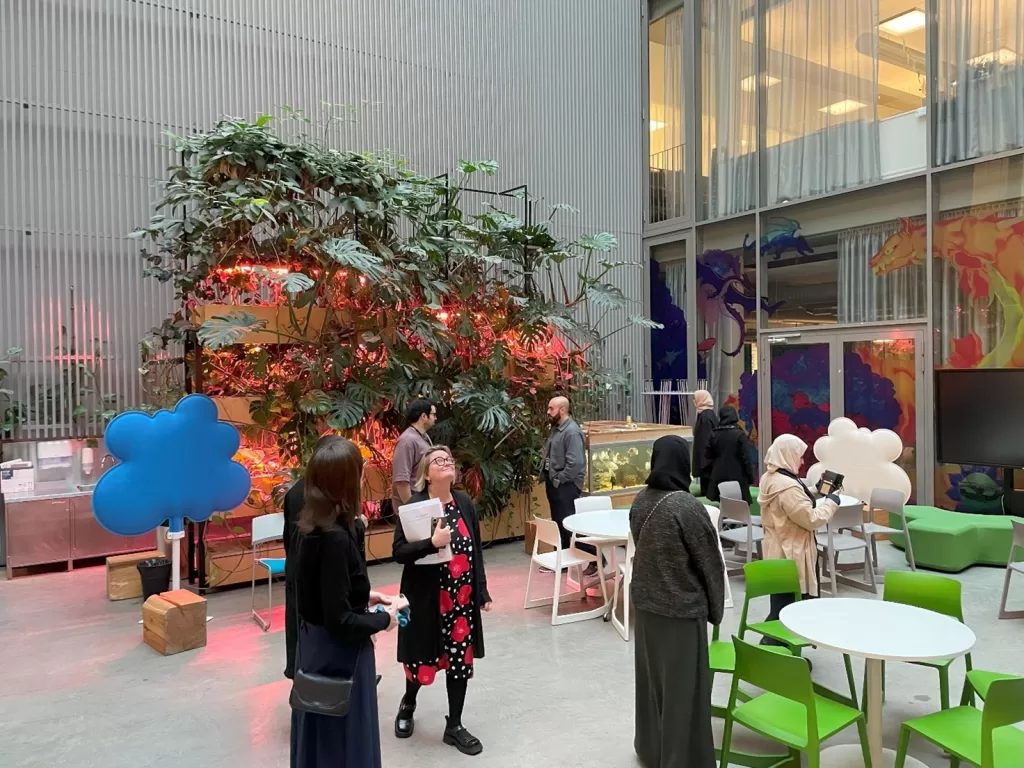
(979, 417)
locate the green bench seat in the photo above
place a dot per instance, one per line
(952, 541)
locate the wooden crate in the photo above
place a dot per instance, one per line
(123, 580)
(173, 622)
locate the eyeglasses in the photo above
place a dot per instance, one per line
(443, 461)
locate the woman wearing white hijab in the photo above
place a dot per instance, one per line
(705, 424)
(790, 517)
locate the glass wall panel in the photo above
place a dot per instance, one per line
(668, 307)
(728, 108)
(979, 108)
(978, 251)
(726, 320)
(666, 35)
(846, 260)
(845, 90)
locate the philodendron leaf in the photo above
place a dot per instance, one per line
(353, 255)
(292, 282)
(602, 241)
(487, 167)
(606, 296)
(645, 322)
(224, 330)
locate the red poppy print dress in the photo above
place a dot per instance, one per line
(456, 608)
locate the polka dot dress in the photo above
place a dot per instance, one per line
(456, 609)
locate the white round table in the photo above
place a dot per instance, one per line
(603, 523)
(844, 501)
(877, 631)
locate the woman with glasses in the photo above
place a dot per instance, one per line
(445, 631)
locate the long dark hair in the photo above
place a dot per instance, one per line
(333, 480)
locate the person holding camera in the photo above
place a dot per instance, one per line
(790, 516)
(445, 631)
(337, 614)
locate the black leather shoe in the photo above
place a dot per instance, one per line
(462, 740)
(404, 723)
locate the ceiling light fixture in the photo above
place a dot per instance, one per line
(844, 107)
(748, 83)
(905, 23)
(656, 125)
(1003, 56)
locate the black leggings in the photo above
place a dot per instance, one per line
(456, 698)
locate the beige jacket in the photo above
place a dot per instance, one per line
(790, 520)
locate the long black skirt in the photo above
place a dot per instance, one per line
(673, 693)
(353, 741)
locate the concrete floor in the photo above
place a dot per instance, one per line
(78, 688)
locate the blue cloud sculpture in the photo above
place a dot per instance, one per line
(174, 465)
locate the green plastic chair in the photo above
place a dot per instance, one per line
(978, 681)
(934, 593)
(774, 577)
(985, 738)
(722, 660)
(789, 711)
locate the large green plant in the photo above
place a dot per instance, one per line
(393, 292)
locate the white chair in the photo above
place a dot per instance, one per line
(748, 535)
(625, 579)
(266, 529)
(891, 502)
(832, 543)
(1011, 566)
(600, 544)
(558, 561)
(730, 489)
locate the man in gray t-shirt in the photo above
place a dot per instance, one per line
(410, 448)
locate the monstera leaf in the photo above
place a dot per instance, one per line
(224, 330)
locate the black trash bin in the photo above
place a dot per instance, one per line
(156, 576)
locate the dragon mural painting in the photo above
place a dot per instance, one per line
(725, 296)
(987, 255)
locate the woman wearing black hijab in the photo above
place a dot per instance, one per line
(728, 455)
(678, 587)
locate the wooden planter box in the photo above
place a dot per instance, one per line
(279, 327)
(234, 410)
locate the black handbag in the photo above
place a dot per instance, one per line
(320, 695)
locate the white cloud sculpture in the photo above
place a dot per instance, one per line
(864, 457)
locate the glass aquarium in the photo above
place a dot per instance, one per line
(619, 454)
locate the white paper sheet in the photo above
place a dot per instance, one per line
(418, 524)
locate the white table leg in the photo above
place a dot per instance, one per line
(874, 706)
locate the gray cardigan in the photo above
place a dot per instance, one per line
(677, 569)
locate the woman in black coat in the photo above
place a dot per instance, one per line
(337, 612)
(705, 424)
(445, 630)
(728, 455)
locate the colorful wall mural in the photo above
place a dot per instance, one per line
(800, 393)
(879, 392)
(986, 252)
(668, 344)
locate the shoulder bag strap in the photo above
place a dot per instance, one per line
(651, 514)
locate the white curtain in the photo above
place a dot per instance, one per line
(729, 106)
(668, 150)
(956, 315)
(822, 97)
(980, 104)
(865, 297)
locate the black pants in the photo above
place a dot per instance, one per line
(778, 603)
(562, 501)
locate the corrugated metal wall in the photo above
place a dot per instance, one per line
(548, 88)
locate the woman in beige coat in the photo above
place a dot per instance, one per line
(790, 517)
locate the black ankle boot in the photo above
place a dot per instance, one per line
(458, 737)
(404, 723)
